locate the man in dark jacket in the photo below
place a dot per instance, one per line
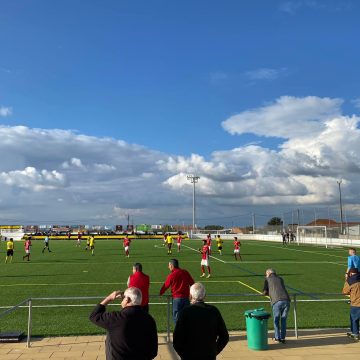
(352, 288)
(280, 302)
(200, 332)
(131, 332)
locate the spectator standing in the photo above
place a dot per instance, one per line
(131, 332)
(179, 280)
(280, 302)
(352, 288)
(141, 281)
(353, 260)
(200, 332)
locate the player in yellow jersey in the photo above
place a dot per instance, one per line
(87, 243)
(219, 243)
(169, 242)
(9, 250)
(92, 244)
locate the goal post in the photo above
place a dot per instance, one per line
(312, 235)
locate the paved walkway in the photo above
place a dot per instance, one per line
(312, 344)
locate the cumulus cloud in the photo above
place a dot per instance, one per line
(320, 146)
(32, 179)
(70, 177)
(287, 117)
(5, 111)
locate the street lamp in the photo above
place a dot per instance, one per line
(193, 179)
(341, 210)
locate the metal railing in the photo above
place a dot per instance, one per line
(312, 297)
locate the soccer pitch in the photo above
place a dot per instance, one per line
(69, 271)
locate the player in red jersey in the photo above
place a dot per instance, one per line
(27, 245)
(237, 245)
(126, 244)
(178, 241)
(79, 236)
(205, 259)
(208, 241)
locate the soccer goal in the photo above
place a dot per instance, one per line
(316, 235)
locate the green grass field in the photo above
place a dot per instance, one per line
(70, 271)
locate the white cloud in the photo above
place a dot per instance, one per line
(356, 103)
(65, 176)
(5, 111)
(265, 73)
(292, 7)
(32, 179)
(288, 117)
(320, 146)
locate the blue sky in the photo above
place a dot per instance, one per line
(166, 75)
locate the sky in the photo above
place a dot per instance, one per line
(106, 106)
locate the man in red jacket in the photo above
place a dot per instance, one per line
(180, 281)
(141, 281)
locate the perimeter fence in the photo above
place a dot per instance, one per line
(62, 316)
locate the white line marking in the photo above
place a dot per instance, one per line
(117, 283)
(224, 262)
(281, 262)
(305, 251)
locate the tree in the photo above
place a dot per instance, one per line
(275, 221)
(213, 227)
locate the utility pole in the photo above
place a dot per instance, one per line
(341, 210)
(193, 179)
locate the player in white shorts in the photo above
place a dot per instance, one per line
(237, 245)
(205, 259)
(179, 240)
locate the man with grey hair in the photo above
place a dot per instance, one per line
(131, 332)
(280, 302)
(200, 332)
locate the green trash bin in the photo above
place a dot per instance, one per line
(257, 329)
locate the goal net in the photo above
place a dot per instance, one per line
(316, 235)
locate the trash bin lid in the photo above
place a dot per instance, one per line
(259, 314)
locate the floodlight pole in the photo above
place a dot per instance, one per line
(193, 179)
(341, 210)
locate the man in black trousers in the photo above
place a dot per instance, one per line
(200, 332)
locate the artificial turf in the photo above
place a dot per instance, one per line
(69, 271)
